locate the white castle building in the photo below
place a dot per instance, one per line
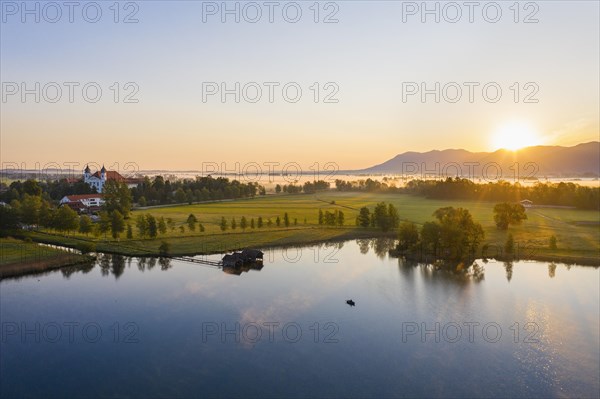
(98, 179)
(95, 180)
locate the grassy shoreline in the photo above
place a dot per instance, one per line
(220, 243)
(24, 258)
(576, 231)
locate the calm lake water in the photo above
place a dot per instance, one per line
(143, 328)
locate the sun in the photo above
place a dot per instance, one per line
(514, 136)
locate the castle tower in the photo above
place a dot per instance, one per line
(103, 173)
(86, 173)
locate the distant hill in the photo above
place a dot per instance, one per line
(580, 160)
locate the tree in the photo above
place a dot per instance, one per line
(509, 245)
(278, 221)
(201, 227)
(66, 219)
(552, 243)
(408, 236)
(117, 223)
(85, 225)
(9, 218)
(180, 196)
(191, 222)
(340, 218)
(30, 209)
(286, 220)
(259, 222)
(243, 223)
(364, 217)
(46, 214)
(460, 236)
(129, 232)
(385, 216)
(162, 226)
(321, 216)
(142, 201)
(252, 223)
(233, 224)
(141, 223)
(117, 197)
(152, 226)
(394, 217)
(278, 189)
(506, 214)
(223, 223)
(104, 223)
(164, 249)
(430, 237)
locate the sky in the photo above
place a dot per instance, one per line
(361, 68)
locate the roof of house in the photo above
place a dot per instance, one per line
(79, 197)
(111, 175)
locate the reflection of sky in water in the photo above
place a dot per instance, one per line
(170, 302)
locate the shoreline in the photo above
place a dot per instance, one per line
(341, 235)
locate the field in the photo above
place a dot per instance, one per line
(577, 232)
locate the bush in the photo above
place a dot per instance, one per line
(86, 247)
(165, 248)
(552, 243)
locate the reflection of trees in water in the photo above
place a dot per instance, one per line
(83, 268)
(382, 245)
(165, 263)
(104, 262)
(118, 265)
(443, 271)
(552, 269)
(141, 264)
(364, 244)
(509, 270)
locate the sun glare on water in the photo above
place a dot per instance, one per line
(514, 136)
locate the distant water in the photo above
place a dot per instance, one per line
(128, 327)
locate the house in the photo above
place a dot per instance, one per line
(526, 203)
(252, 255)
(83, 203)
(232, 260)
(238, 259)
(98, 179)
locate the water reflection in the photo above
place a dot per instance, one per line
(326, 252)
(509, 270)
(381, 246)
(552, 270)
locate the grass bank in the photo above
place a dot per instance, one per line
(19, 257)
(577, 231)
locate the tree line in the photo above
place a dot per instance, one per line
(308, 187)
(561, 194)
(158, 191)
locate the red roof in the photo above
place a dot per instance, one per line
(111, 175)
(80, 197)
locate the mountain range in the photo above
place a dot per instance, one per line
(536, 162)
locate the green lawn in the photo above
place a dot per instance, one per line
(534, 233)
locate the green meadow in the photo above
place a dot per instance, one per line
(577, 231)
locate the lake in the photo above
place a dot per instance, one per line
(127, 327)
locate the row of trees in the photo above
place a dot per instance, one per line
(48, 190)
(307, 188)
(384, 216)
(335, 218)
(158, 191)
(260, 223)
(562, 194)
